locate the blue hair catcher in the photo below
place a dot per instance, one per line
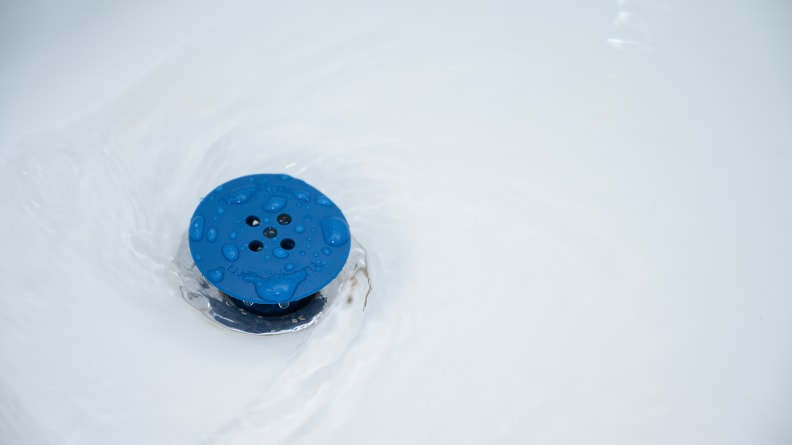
(268, 241)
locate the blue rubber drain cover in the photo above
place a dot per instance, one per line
(268, 239)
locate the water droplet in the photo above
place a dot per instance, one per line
(278, 288)
(326, 250)
(289, 266)
(280, 253)
(216, 275)
(299, 228)
(302, 196)
(285, 177)
(211, 234)
(274, 204)
(198, 257)
(220, 210)
(196, 228)
(230, 252)
(241, 195)
(323, 201)
(302, 253)
(316, 254)
(232, 235)
(335, 231)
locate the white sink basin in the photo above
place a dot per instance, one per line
(578, 218)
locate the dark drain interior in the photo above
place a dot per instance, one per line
(272, 310)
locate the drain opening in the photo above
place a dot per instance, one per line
(284, 219)
(273, 310)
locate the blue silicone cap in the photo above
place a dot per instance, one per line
(268, 239)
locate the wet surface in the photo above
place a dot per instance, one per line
(576, 216)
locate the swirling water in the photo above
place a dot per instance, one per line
(577, 227)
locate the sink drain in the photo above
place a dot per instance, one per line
(268, 253)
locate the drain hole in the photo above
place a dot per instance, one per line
(256, 245)
(284, 219)
(252, 221)
(270, 232)
(287, 244)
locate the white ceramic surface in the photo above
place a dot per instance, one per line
(578, 216)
